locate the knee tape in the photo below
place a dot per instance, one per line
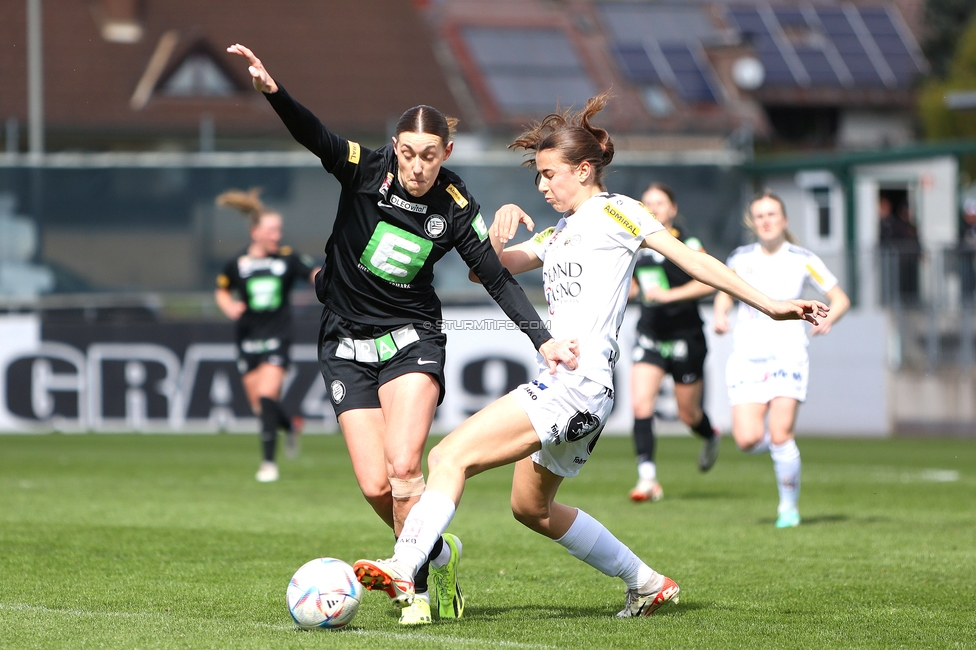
(404, 488)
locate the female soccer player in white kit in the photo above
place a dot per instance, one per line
(767, 372)
(548, 427)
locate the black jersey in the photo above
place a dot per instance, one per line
(264, 284)
(673, 320)
(380, 258)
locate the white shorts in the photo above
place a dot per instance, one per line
(758, 381)
(568, 414)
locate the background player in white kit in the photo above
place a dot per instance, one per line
(767, 372)
(549, 427)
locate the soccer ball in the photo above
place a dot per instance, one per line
(324, 593)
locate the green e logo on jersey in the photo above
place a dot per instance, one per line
(395, 254)
(649, 277)
(479, 227)
(264, 292)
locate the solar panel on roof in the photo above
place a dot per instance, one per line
(748, 20)
(838, 28)
(635, 63)
(754, 30)
(519, 47)
(529, 70)
(517, 93)
(630, 22)
(778, 73)
(789, 17)
(893, 47)
(817, 66)
(691, 82)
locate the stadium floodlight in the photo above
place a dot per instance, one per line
(962, 100)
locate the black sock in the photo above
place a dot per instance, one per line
(437, 548)
(284, 422)
(704, 428)
(644, 441)
(269, 428)
(420, 580)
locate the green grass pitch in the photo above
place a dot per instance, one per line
(129, 541)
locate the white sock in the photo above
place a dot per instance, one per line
(647, 471)
(786, 464)
(760, 447)
(444, 556)
(428, 519)
(589, 540)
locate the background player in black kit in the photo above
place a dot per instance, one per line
(261, 276)
(670, 340)
(380, 347)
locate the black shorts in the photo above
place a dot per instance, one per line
(356, 359)
(682, 358)
(251, 353)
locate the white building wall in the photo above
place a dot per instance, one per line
(935, 183)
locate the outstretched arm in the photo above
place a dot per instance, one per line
(259, 75)
(707, 269)
(303, 125)
(692, 290)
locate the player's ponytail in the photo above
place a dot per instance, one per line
(573, 136)
(247, 203)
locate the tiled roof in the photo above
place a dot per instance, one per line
(355, 63)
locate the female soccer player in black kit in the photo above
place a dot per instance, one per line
(381, 346)
(262, 277)
(670, 340)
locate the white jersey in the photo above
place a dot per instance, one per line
(781, 276)
(588, 260)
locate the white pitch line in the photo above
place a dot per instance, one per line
(19, 607)
(875, 474)
(939, 475)
(442, 639)
(457, 641)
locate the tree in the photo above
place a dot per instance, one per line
(945, 21)
(939, 121)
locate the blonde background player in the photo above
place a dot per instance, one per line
(767, 372)
(549, 427)
(253, 290)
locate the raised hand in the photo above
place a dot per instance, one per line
(259, 75)
(507, 219)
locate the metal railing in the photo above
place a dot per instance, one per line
(930, 295)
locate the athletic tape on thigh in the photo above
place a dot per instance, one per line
(404, 488)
